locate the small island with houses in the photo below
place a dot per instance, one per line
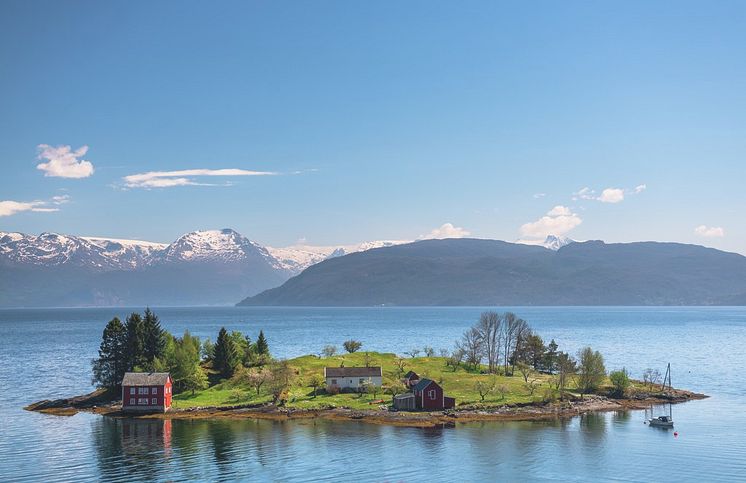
(500, 369)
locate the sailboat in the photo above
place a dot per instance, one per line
(664, 421)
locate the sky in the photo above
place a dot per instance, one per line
(338, 122)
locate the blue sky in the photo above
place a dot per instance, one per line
(375, 120)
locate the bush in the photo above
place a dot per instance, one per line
(620, 381)
(332, 390)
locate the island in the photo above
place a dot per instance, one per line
(500, 370)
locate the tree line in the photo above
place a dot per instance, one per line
(140, 344)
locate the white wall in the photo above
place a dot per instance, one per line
(353, 382)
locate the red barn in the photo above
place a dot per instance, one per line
(430, 396)
(410, 379)
(146, 391)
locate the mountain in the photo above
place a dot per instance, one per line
(202, 267)
(552, 242)
(299, 257)
(490, 272)
(208, 267)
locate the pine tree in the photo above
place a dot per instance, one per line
(109, 368)
(261, 347)
(135, 341)
(226, 357)
(155, 340)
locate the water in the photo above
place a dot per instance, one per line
(46, 353)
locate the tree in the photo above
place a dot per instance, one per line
(352, 345)
(182, 360)
(566, 367)
(550, 358)
(488, 332)
(279, 381)
(525, 370)
(591, 370)
(226, 358)
(502, 389)
(401, 363)
(329, 351)
(261, 347)
(155, 341)
(471, 347)
(651, 376)
(196, 381)
(109, 368)
(208, 350)
(135, 341)
(484, 387)
(454, 360)
(620, 381)
(531, 386)
(396, 387)
(533, 351)
(413, 353)
(315, 381)
(429, 351)
(444, 353)
(368, 359)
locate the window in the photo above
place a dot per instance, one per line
(334, 382)
(361, 381)
(154, 391)
(143, 401)
(431, 393)
(153, 401)
(132, 401)
(132, 390)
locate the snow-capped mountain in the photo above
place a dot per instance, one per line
(297, 258)
(225, 246)
(552, 242)
(53, 249)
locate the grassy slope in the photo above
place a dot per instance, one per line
(458, 384)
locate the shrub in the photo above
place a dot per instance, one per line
(620, 381)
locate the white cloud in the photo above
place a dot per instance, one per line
(558, 221)
(447, 230)
(60, 199)
(183, 177)
(710, 231)
(63, 162)
(539, 195)
(611, 195)
(8, 208)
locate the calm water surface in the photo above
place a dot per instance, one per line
(46, 353)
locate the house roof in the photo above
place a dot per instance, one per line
(145, 378)
(420, 386)
(411, 374)
(406, 395)
(352, 371)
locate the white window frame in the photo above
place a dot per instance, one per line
(132, 391)
(154, 391)
(153, 401)
(431, 394)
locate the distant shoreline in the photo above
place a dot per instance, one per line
(95, 403)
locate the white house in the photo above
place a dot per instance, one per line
(352, 377)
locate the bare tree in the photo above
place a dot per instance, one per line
(489, 330)
(444, 353)
(485, 387)
(401, 363)
(525, 370)
(566, 367)
(454, 360)
(471, 346)
(413, 353)
(329, 351)
(532, 385)
(429, 351)
(502, 389)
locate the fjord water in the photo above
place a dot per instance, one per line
(46, 354)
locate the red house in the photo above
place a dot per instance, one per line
(410, 379)
(429, 395)
(146, 391)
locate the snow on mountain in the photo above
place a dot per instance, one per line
(297, 258)
(226, 245)
(552, 242)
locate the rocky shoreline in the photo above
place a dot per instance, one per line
(98, 402)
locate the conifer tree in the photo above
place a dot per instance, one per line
(155, 340)
(226, 357)
(262, 348)
(135, 341)
(111, 364)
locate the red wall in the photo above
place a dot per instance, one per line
(426, 402)
(161, 395)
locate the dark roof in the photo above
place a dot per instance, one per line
(420, 386)
(406, 395)
(411, 374)
(145, 379)
(352, 371)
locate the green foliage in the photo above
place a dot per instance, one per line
(154, 337)
(196, 381)
(261, 347)
(227, 357)
(591, 370)
(135, 341)
(621, 382)
(111, 364)
(352, 345)
(315, 381)
(485, 387)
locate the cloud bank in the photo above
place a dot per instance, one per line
(608, 195)
(183, 177)
(558, 221)
(63, 162)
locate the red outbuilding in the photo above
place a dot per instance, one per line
(146, 391)
(429, 396)
(410, 379)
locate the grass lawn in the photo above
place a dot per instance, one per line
(459, 384)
